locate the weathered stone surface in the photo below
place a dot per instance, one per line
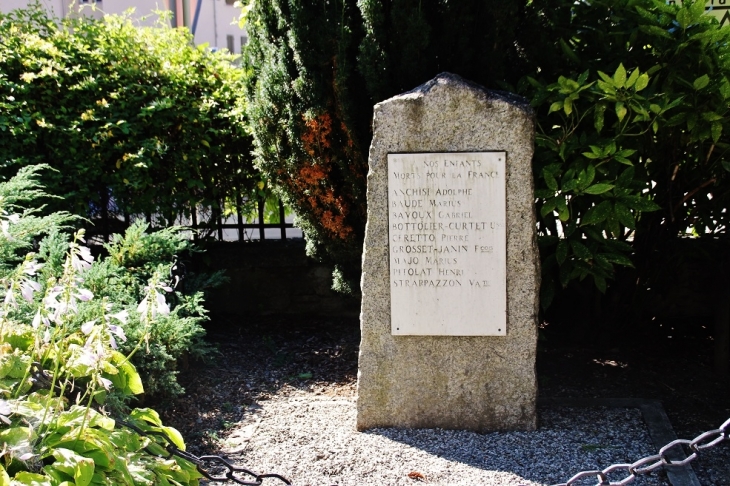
(454, 382)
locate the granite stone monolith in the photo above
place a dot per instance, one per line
(450, 263)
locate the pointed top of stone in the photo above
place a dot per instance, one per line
(452, 80)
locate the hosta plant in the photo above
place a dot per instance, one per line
(61, 366)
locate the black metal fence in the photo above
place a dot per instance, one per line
(205, 223)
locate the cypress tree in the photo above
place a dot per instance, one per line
(316, 67)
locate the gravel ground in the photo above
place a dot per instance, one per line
(281, 399)
(314, 442)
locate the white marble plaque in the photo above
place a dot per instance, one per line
(447, 241)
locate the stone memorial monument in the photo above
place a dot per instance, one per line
(450, 264)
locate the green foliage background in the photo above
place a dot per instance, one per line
(630, 97)
(632, 104)
(135, 120)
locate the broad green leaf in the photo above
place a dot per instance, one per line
(30, 479)
(608, 79)
(598, 117)
(684, 18)
(632, 78)
(626, 177)
(548, 207)
(561, 252)
(568, 106)
(4, 478)
(654, 30)
(590, 175)
(544, 193)
(73, 464)
(596, 214)
(599, 188)
(620, 110)
(133, 382)
(726, 165)
(619, 259)
(711, 116)
(701, 82)
(569, 52)
(619, 77)
(676, 119)
(580, 250)
(642, 82)
(624, 215)
(607, 88)
(725, 88)
(583, 78)
(15, 438)
(146, 414)
(175, 436)
(640, 203)
(697, 9)
(716, 131)
(556, 106)
(550, 180)
(604, 264)
(568, 185)
(562, 208)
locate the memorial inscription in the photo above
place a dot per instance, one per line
(447, 240)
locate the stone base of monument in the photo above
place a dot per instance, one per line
(450, 264)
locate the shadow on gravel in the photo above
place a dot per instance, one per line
(568, 440)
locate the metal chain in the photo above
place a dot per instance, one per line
(648, 464)
(213, 468)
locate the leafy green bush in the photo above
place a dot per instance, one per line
(628, 161)
(137, 120)
(61, 366)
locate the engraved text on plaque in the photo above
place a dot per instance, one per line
(447, 240)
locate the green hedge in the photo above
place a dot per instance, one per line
(135, 120)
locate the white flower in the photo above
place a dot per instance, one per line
(84, 295)
(81, 257)
(32, 267)
(88, 357)
(118, 331)
(106, 383)
(9, 297)
(121, 316)
(87, 327)
(28, 288)
(158, 307)
(37, 320)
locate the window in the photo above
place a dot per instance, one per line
(244, 41)
(229, 43)
(230, 2)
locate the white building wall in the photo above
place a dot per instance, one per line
(217, 23)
